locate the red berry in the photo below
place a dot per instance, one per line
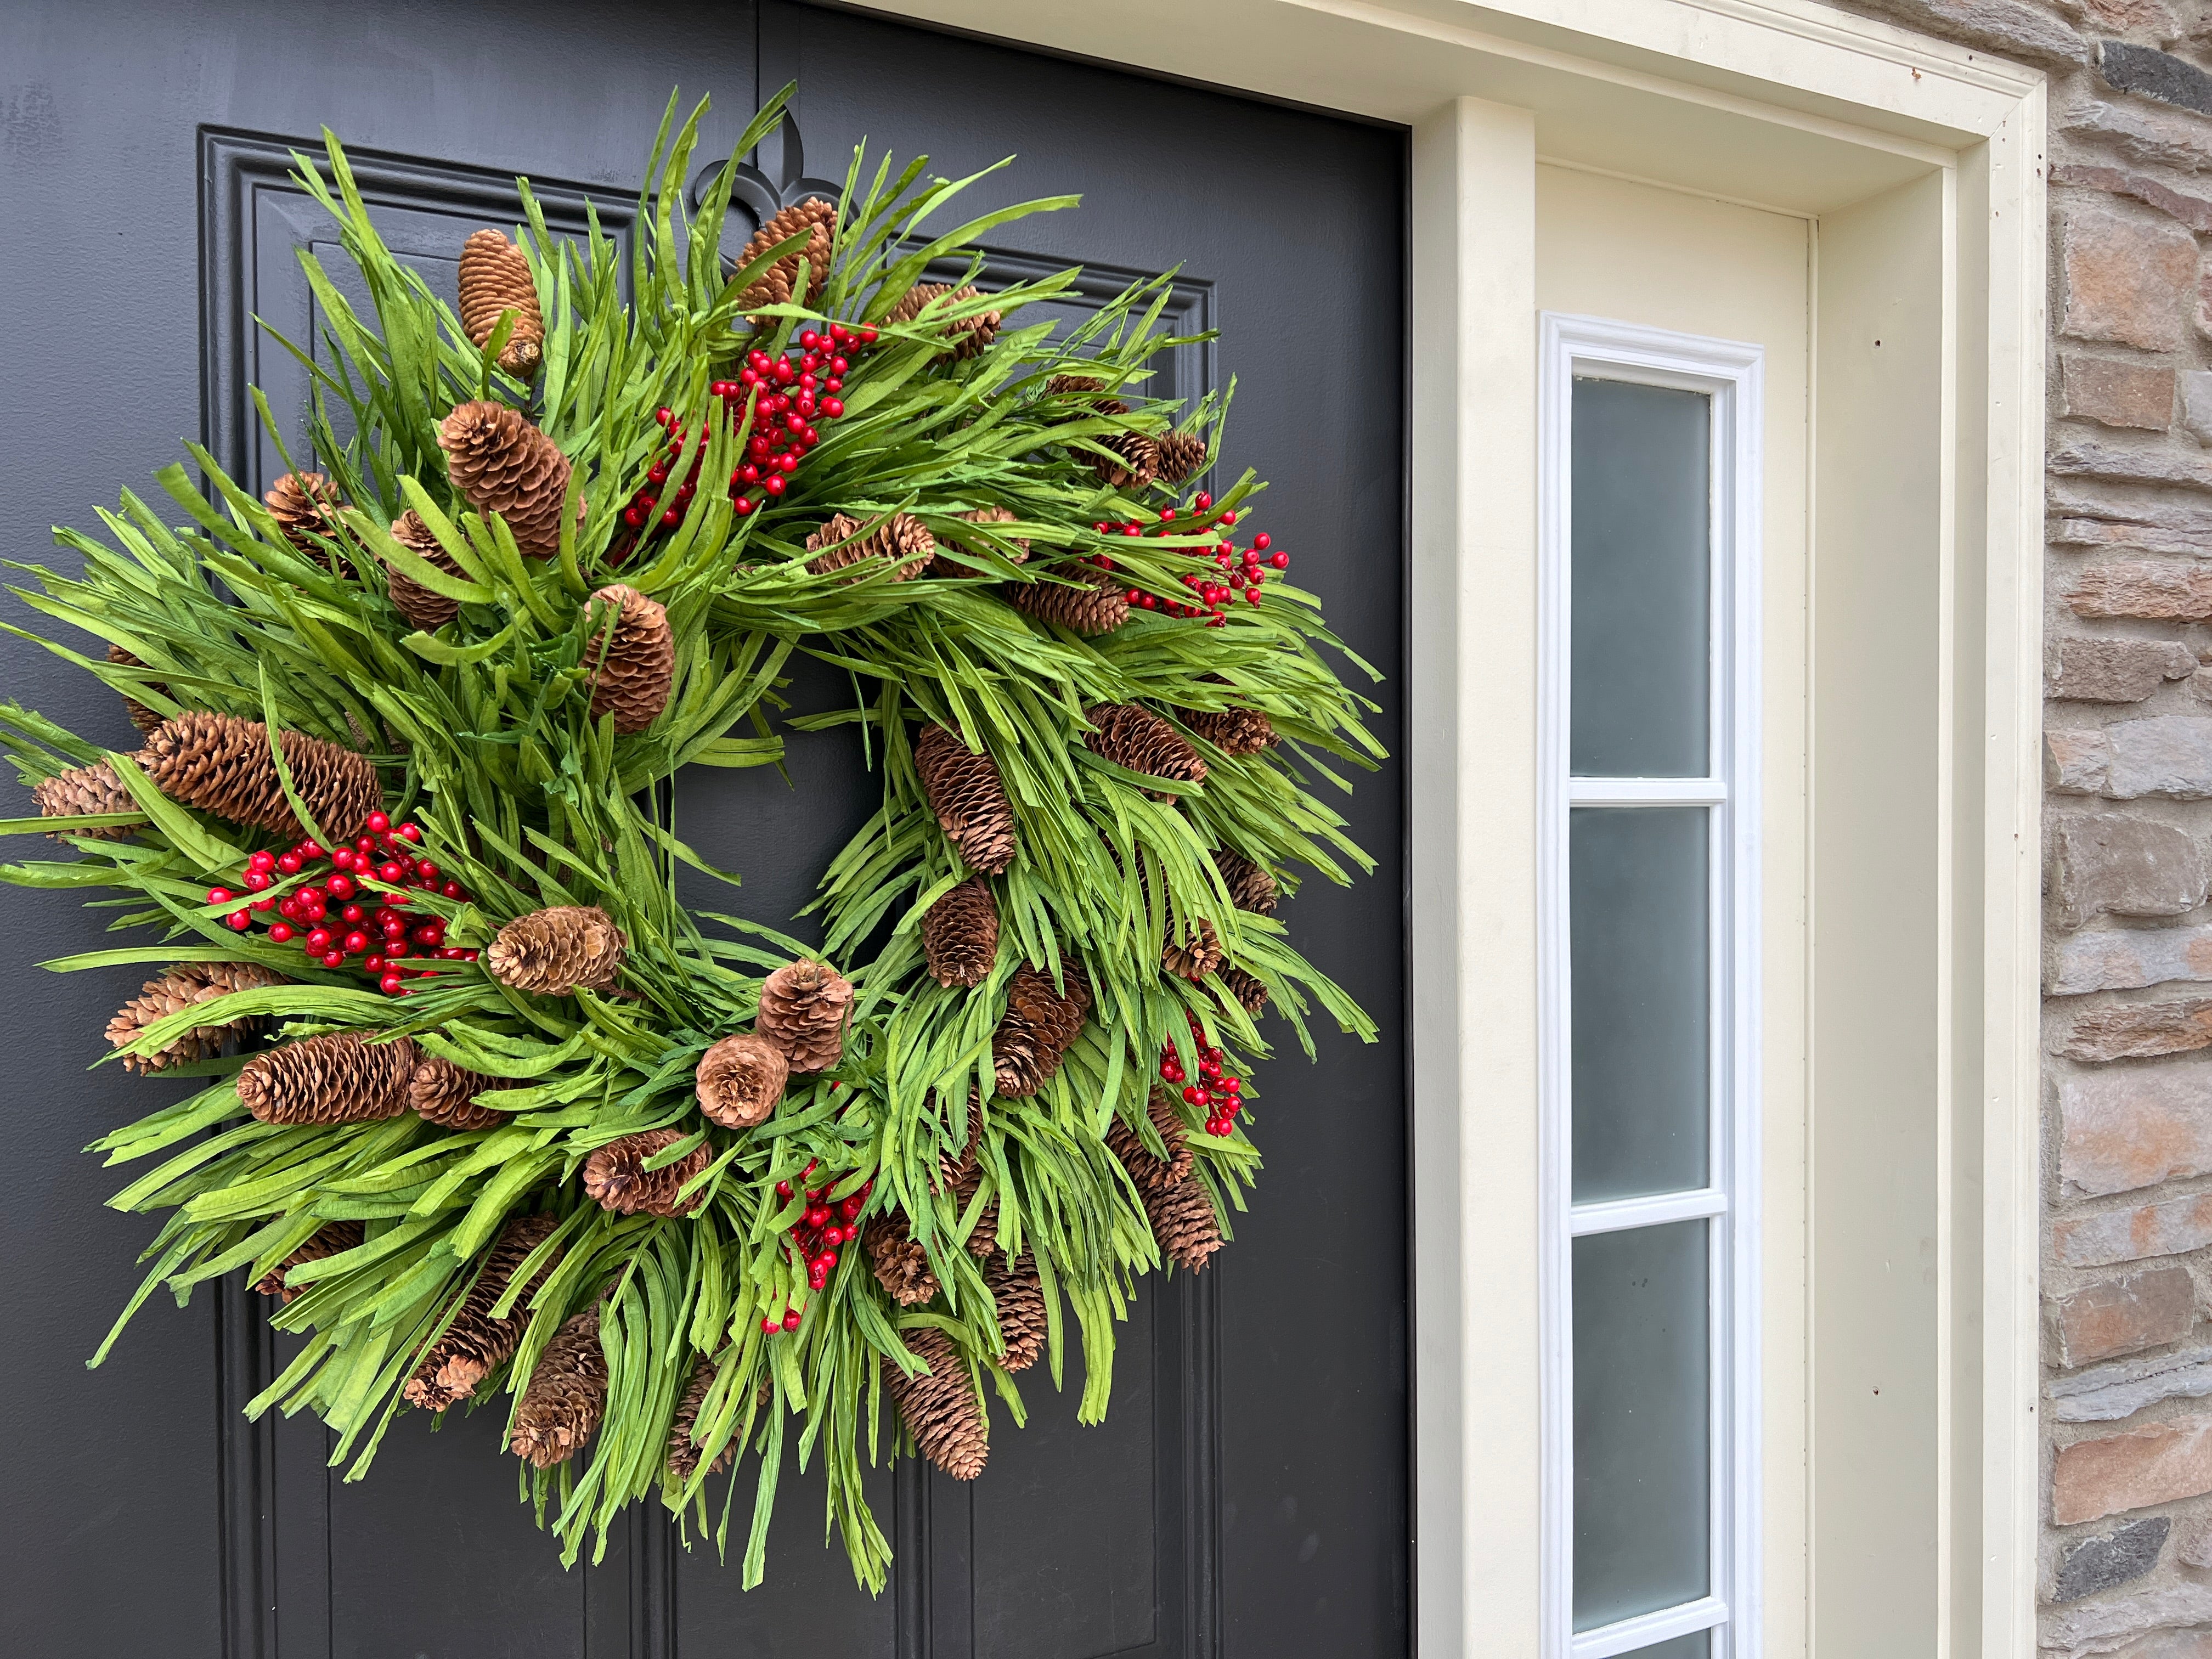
(867, 337)
(771, 1325)
(371, 965)
(319, 941)
(333, 958)
(1204, 502)
(1229, 517)
(1281, 560)
(379, 822)
(1251, 596)
(783, 1189)
(217, 894)
(263, 861)
(1261, 541)
(451, 889)
(281, 932)
(791, 1320)
(240, 921)
(827, 1260)
(254, 881)
(338, 887)
(1194, 1096)
(774, 485)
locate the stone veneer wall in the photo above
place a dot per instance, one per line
(2126, 1560)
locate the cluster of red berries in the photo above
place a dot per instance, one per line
(1214, 1088)
(816, 1234)
(1239, 571)
(789, 394)
(342, 916)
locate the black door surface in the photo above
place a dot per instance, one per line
(1248, 1494)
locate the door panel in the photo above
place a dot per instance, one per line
(1248, 1493)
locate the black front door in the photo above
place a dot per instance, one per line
(1249, 1493)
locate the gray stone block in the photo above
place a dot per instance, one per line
(2154, 74)
(2100, 1563)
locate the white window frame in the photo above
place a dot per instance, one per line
(1730, 374)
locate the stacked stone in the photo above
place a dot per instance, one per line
(2128, 1016)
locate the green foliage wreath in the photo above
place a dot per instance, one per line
(488, 1107)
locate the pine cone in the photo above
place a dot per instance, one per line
(740, 1079)
(1195, 955)
(141, 716)
(938, 1407)
(475, 1344)
(960, 934)
(1184, 1222)
(1182, 455)
(615, 1177)
(803, 1006)
(1018, 1299)
(446, 1094)
(1039, 1025)
(305, 505)
(341, 1077)
(942, 566)
(182, 987)
(777, 284)
(1092, 602)
(80, 793)
(901, 1264)
(972, 334)
(1139, 740)
(1251, 886)
(328, 1239)
(1232, 731)
(494, 280)
(426, 608)
(1069, 385)
(558, 951)
(1246, 987)
(1134, 462)
(969, 800)
(222, 764)
(566, 1394)
(632, 658)
(685, 1452)
(504, 464)
(901, 542)
(1149, 1172)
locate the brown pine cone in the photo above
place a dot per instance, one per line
(1070, 385)
(740, 1079)
(504, 464)
(942, 566)
(1247, 989)
(558, 951)
(1252, 886)
(1232, 731)
(446, 1094)
(1018, 1300)
(328, 1239)
(632, 657)
(341, 1077)
(960, 934)
(970, 334)
(777, 284)
(81, 793)
(901, 1264)
(1195, 955)
(1184, 1222)
(969, 800)
(475, 1344)
(901, 543)
(615, 1178)
(1134, 461)
(1138, 739)
(566, 1394)
(494, 280)
(222, 764)
(1038, 1027)
(1148, 1171)
(1091, 602)
(1182, 455)
(802, 1006)
(426, 608)
(141, 716)
(305, 505)
(685, 1452)
(939, 1406)
(180, 988)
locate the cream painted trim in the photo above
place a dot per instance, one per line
(1474, 83)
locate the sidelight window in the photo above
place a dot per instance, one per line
(1650, 502)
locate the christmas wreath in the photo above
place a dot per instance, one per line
(489, 1112)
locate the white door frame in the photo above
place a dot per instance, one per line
(1922, 165)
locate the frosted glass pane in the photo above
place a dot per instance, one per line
(1698, 1644)
(1636, 889)
(1641, 653)
(1642, 1519)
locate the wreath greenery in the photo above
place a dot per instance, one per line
(491, 1108)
